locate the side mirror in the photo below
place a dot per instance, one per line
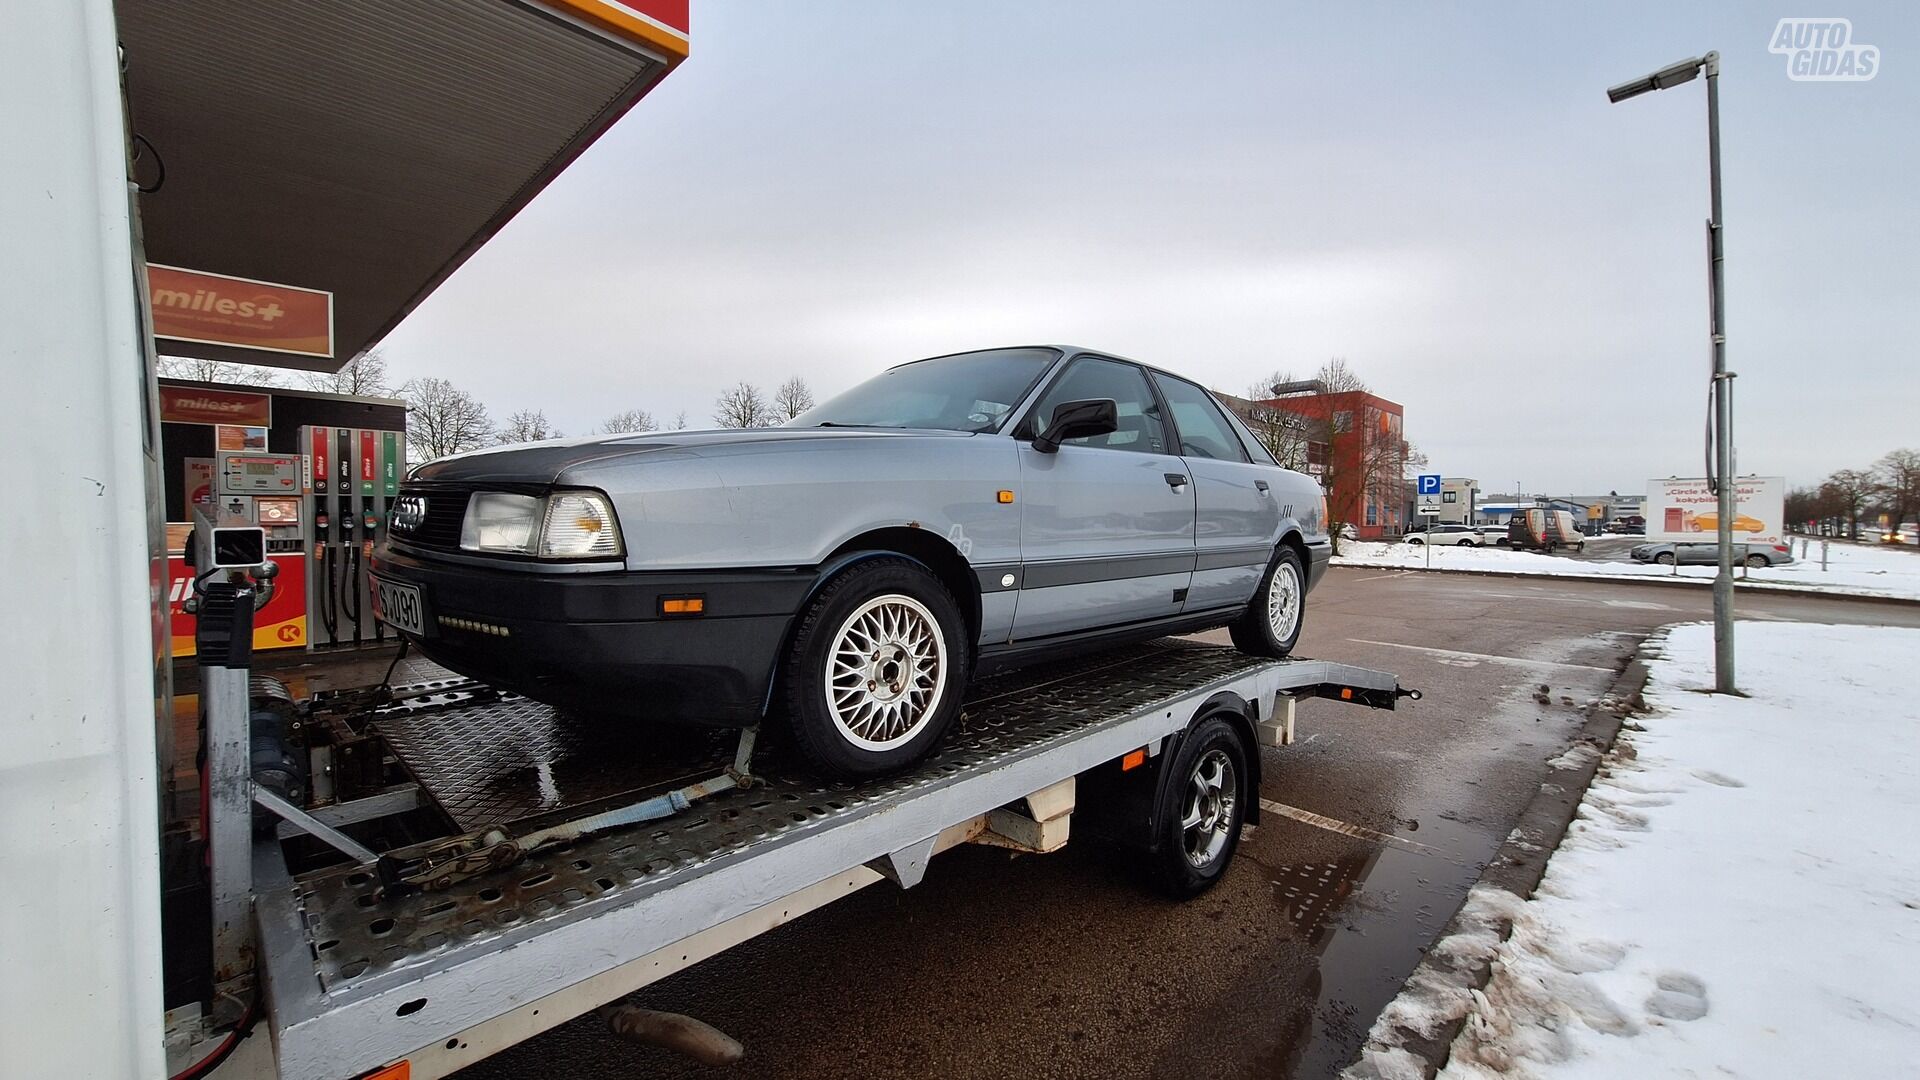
(1077, 420)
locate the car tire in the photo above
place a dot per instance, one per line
(1464, 542)
(895, 619)
(1203, 805)
(1758, 562)
(1270, 625)
(1665, 558)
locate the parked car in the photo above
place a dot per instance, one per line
(1755, 556)
(1458, 535)
(1493, 535)
(1626, 528)
(851, 570)
(1544, 530)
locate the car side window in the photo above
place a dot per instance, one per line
(1139, 429)
(1204, 430)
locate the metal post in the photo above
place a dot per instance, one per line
(1723, 676)
(223, 642)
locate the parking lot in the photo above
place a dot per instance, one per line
(1375, 826)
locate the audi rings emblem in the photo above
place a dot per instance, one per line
(409, 512)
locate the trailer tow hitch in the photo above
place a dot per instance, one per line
(440, 864)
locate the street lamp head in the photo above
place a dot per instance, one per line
(1672, 75)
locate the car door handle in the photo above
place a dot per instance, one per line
(1175, 480)
(1262, 485)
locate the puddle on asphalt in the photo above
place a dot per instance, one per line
(1371, 915)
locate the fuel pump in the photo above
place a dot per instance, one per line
(356, 473)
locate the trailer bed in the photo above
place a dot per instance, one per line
(357, 979)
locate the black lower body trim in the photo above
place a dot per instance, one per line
(995, 658)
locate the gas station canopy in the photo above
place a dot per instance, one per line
(364, 148)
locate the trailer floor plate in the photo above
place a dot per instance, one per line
(358, 936)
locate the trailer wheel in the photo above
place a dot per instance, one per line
(877, 668)
(1203, 806)
(1271, 623)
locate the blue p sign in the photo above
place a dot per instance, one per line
(1429, 484)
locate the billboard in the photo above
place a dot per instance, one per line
(1686, 510)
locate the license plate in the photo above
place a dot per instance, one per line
(399, 606)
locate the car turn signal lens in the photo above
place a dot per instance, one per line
(684, 605)
(1006, 496)
(1133, 759)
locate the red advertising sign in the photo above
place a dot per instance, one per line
(217, 309)
(322, 458)
(369, 468)
(281, 624)
(192, 405)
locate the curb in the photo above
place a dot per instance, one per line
(1516, 868)
(1739, 585)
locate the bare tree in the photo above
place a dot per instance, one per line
(1288, 436)
(1898, 477)
(1848, 490)
(363, 376)
(793, 397)
(744, 406)
(216, 371)
(443, 419)
(680, 420)
(631, 420)
(527, 425)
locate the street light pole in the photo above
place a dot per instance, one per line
(1669, 76)
(1722, 397)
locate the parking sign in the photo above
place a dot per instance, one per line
(1429, 483)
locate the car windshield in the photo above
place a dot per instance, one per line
(964, 392)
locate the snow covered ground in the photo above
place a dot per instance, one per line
(1853, 570)
(1739, 894)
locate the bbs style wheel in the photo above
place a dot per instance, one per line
(877, 668)
(1271, 623)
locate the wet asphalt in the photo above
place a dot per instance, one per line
(1063, 965)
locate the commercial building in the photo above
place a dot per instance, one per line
(1353, 442)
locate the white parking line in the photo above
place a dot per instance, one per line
(1475, 657)
(1378, 577)
(1322, 821)
(1558, 598)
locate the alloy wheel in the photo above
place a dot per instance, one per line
(1208, 814)
(1283, 601)
(886, 672)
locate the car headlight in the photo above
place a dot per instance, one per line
(564, 525)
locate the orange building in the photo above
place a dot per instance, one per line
(1354, 443)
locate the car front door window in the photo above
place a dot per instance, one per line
(1139, 428)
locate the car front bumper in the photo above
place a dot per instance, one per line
(598, 642)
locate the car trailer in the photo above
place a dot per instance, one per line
(367, 962)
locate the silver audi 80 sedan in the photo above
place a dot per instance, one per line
(851, 570)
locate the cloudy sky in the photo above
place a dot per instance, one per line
(1439, 193)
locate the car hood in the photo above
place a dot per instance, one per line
(543, 462)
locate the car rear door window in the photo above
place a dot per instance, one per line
(1203, 425)
(1089, 377)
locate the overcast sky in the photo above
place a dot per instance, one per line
(1440, 194)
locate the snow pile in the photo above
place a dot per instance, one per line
(1439, 992)
(1739, 894)
(1853, 570)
